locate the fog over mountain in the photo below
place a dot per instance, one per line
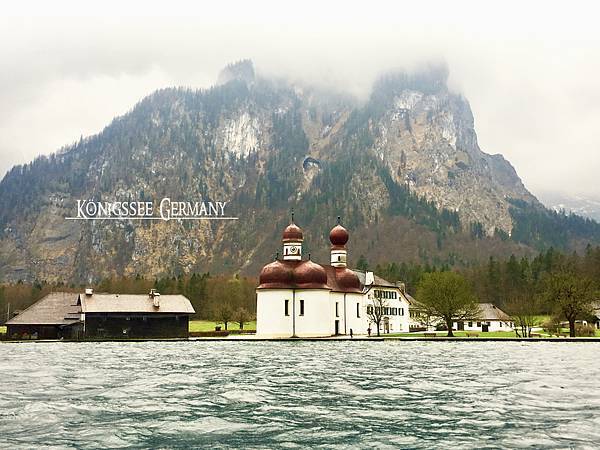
(69, 68)
(586, 206)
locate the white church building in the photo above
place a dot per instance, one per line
(297, 297)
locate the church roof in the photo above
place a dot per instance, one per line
(342, 279)
(291, 274)
(298, 275)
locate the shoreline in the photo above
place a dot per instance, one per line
(316, 339)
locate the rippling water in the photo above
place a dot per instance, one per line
(299, 394)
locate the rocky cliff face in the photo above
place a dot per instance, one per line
(407, 157)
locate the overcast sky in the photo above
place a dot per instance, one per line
(529, 69)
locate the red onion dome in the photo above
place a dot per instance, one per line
(309, 275)
(338, 236)
(275, 274)
(292, 233)
(347, 280)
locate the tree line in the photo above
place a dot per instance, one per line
(221, 298)
(565, 287)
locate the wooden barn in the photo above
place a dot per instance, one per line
(55, 316)
(122, 316)
(103, 316)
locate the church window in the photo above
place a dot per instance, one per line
(301, 307)
(337, 309)
(287, 308)
(358, 310)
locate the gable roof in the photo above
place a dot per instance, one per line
(378, 281)
(134, 303)
(489, 311)
(56, 308)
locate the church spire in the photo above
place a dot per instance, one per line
(338, 238)
(292, 242)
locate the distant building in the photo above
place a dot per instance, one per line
(419, 320)
(103, 316)
(491, 318)
(297, 297)
(596, 314)
(396, 301)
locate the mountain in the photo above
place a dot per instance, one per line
(577, 204)
(403, 169)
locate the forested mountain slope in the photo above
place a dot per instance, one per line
(403, 169)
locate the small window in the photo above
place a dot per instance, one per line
(478, 324)
(337, 309)
(287, 308)
(401, 311)
(500, 324)
(470, 324)
(358, 310)
(339, 258)
(301, 307)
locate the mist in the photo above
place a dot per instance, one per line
(528, 71)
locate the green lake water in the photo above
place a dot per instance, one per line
(300, 395)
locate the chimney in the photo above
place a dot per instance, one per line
(401, 286)
(89, 292)
(155, 296)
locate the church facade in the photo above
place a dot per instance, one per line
(297, 297)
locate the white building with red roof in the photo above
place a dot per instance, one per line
(297, 297)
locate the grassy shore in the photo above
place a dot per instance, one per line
(208, 325)
(491, 334)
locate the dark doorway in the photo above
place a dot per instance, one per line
(461, 326)
(485, 327)
(337, 327)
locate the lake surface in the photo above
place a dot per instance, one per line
(300, 394)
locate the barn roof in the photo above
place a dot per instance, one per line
(56, 308)
(134, 303)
